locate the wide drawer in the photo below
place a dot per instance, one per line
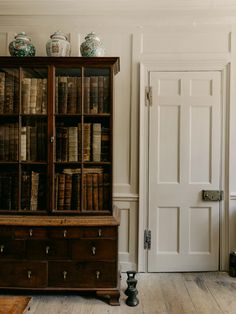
(23, 274)
(12, 248)
(82, 274)
(47, 249)
(94, 249)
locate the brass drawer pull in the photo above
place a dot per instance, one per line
(29, 274)
(30, 232)
(99, 232)
(65, 233)
(64, 274)
(94, 250)
(47, 249)
(97, 274)
(2, 248)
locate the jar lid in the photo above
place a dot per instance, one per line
(22, 35)
(92, 35)
(59, 34)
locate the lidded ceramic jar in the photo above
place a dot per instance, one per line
(21, 46)
(58, 45)
(92, 46)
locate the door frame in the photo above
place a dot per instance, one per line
(223, 66)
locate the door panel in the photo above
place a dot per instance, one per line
(184, 159)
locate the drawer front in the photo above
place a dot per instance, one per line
(82, 274)
(6, 232)
(30, 233)
(23, 274)
(93, 249)
(98, 232)
(12, 248)
(47, 249)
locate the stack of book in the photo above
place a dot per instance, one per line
(9, 93)
(95, 185)
(95, 144)
(33, 142)
(34, 95)
(8, 191)
(33, 190)
(68, 94)
(9, 142)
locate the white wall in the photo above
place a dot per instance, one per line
(176, 37)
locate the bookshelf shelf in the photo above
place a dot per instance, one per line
(56, 160)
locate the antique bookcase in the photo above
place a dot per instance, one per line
(58, 226)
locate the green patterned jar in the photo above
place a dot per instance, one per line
(92, 46)
(21, 46)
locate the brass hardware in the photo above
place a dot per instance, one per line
(212, 195)
(52, 139)
(47, 249)
(64, 233)
(94, 250)
(64, 274)
(147, 239)
(29, 274)
(30, 232)
(148, 96)
(99, 232)
(2, 248)
(97, 274)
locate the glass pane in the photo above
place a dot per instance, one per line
(34, 188)
(68, 91)
(33, 141)
(9, 139)
(34, 91)
(9, 91)
(96, 91)
(8, 188)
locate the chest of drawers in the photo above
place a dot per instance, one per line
(78, 256)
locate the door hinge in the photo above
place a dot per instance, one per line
(147, 239)
(148, 96)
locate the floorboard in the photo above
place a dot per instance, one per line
(158, 293)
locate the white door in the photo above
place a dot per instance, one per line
(184, 159)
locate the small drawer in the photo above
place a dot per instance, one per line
(30, 233)
(94, 249)
(63, 233)
(82, 274)
(46, 249)
(6, 232)
(23, 274)
(98, 232)
(12, 248)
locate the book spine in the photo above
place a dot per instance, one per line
(34, 190)
(25, 95)
(96, 142)
(87, 141)
(23, 143)
(2, 92)
(94, 94)
(68, 191)
(73, 144)
(86, 94)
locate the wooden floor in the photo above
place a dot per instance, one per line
(208, 293)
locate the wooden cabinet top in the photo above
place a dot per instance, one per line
(113, 62)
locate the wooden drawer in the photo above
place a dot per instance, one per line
(6, 232)
(98, 232)
(12, 248)
(94, 249)
(23, 274)
(30, 233)
(82, 274)
(47, 249)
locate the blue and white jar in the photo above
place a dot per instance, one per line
(21, 46)
(58, 45)
(92, 46)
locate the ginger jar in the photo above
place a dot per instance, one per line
(58, 45)
(21, 46)
(92, 46)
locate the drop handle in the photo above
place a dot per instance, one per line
(2, 248)
(93, 250)
(65, 233)
(29, 274)
(64, 274)
(97, 274)
(52, 139)
(30, 232)
(47, 249)
(99, 232)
